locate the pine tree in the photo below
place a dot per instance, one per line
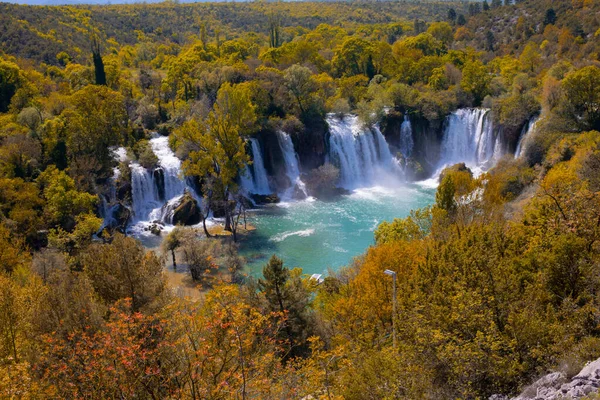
(98, 63)
(452, 15)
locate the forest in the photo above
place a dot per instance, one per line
(496, 283)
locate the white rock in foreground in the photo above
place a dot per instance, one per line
(556, 386)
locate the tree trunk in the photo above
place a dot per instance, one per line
(174, 262)
(204, 226)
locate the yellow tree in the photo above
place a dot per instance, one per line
(217, 146)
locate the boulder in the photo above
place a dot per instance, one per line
(187, 212)
(120, 217)
(265, 198)
(156, 228)
(123, 190)
(556, 385)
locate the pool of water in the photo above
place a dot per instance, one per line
(317, 235)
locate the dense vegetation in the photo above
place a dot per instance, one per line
(497, 282)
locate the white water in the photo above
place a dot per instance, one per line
(155, 194)
(362, 155)
(406, 137)
(174, 185)
(292, 169)
(469, 138)
(257, 181)
(526, 133)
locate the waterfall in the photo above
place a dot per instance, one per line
(257, 180)
(526, 132)
(292, 169)
(360, 154)
(469, 138)
(155, 194)
(144, 192)
(406, 137)
(170, 168)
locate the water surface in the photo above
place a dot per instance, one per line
(316, 235)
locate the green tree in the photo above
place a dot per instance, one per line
(124, 269)
(99, 120)
(301, 85)
(476, 80)
(172, 242)
(444, 196)
(550, 17)
(451, 15)
(98, 62)
(354, 58)
(10, 80)
(286, 294)
(582, 97)
(63, 201)
(218, 151)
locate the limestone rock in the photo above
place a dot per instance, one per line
(187, 212)
(555, 386)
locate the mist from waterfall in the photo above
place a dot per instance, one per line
(292, 168)
(469, 138)
(406, 137)
(362, 154)
(255, 179)
(526, 133)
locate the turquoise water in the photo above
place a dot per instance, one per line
(317, 235)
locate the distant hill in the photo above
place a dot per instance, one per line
(40, 32)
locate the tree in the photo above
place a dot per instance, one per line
(550, 17)
(99, 120)
(461, 20)
(475, 80)
(98, 63)
(301, 85)
(10, 80)
(486, 6)
(285, 293)
(354, 57)
(274, 28)
(582, 97)
(442, 31)
(530, 58)
(444, 196)
(218, 152)
(172, 242)
(474, 9)
(452, 15)
(124, 269)
(63, 201)
(490, 41)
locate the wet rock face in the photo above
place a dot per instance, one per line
(187, 212)
(265, 198)
(556, 386)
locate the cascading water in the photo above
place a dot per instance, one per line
(257, 180)
(292, 169)
(406, 137)
(526, 132)
(170, 166)
(360, 154)
(155, 194)
(469, 138)
(144, 192)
